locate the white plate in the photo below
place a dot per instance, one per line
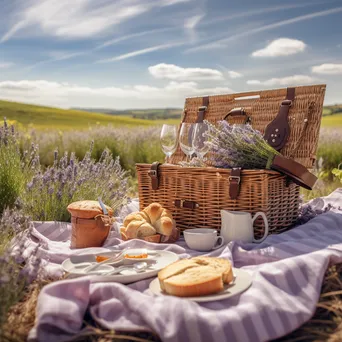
(241, 283)
(78, 262)
(75, 265)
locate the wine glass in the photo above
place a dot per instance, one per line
(186, 138)
(168, 140)
(199, 139)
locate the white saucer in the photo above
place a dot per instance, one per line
(241, 283)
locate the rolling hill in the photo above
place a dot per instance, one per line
(39, 117)
(47, 118)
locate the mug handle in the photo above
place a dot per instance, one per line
(220, 243)
(266, 226)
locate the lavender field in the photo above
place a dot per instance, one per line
(141, 145)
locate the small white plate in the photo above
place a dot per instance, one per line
(78, 262)
(241, 283)
(159, 259)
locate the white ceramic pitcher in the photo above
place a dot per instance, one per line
(237, 225)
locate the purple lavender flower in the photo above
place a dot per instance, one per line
(59, 195)
(238, 146)
(72, 181)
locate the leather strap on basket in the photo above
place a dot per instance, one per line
(298, 173)
(186, 204)
(202, 109)
(234, 183)
(154, 175)
(278, 131)
(238, 112)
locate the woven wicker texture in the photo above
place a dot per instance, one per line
(261, 190)
(304, 117)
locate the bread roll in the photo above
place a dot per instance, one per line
(161, 218)
(87, 209)
(139, 229)
(136, 216)
(197, 276)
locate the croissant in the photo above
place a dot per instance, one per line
(148, 224)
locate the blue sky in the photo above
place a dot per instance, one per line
(154, 53)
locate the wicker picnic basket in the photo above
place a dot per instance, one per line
(290, 120)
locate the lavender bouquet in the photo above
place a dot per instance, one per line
(238, 146)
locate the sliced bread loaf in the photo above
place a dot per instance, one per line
(197, 276)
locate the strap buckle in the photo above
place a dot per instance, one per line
(152, 173)
(202, 108)
(287, 103)
(230, 178)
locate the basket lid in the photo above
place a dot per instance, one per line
(294, 112)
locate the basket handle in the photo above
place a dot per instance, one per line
(238, 112)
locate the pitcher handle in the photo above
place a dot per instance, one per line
(266, 226)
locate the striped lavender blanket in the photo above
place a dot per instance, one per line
(287, 272)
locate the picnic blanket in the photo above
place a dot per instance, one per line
(287, 272)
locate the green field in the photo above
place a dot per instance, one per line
(333, 121)
(39, 117)
(46, 118)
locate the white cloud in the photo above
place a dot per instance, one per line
(63, 55)
(281, 47)
(250, 13)
(234, 74)
(192, 22)
(174, 72)
(83, 19)
(172, 2)
(253, 82)
(5, 65)
(140, 52)
(67, 95)
(285, 81)
(222, 43)
(133, 35)
(328, 69)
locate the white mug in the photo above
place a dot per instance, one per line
(237, 225)
(202, 239)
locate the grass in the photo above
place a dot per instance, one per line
(332, 121)
(44, 118)
(335, 109)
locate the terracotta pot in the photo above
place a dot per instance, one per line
(90, 232)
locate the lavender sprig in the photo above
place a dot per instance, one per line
(238, 146)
